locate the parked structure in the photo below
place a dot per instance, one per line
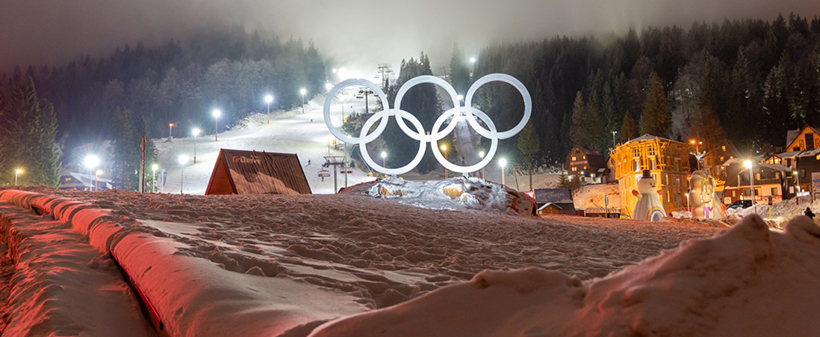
(807, 138)
(251, 172)
(667, 161)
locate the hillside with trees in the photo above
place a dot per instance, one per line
(748, 81)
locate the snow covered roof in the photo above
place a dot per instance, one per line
(788, 154)
(650, 137)
(251, 172)
(809, 153)
(776, 167)
(553, 195)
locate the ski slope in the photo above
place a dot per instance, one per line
(288, 132)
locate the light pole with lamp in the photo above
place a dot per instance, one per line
(91, 162)
(97, 174)
(503, 162)
(303, 91)
(687, 205)
(269, 100)
(170, 131)
(384, 158)
(472, 66)
(154, 168)
(216, 113)
(444, 148)
(613, 138)
(195, 132)
(183, 159)
(481, 154)
(17, 173)
(748, 164)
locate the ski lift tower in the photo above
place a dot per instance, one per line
(335, 161)
(365, 91)
(385, 69)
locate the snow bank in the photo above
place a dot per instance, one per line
(780, 212)
(192, 296)
(592, 196)
(58, 285)
(451, 194)
(721, 286)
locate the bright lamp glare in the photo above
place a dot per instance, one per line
(154, 167)
(195, 132)
(268, 99)
(384, 154)
(502, 162)
(91, 161)
(747, 163)
(216, 113)
(183, 159)
(328, 86)
(303, 91)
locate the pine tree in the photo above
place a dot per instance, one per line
(655, 119)
(563, 180)
(459, 72)
(578, 135)
(628, 130)
(529, 145)
(124, 152)
(29, 128)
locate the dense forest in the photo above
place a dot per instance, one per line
(748, 81)
(178, 82)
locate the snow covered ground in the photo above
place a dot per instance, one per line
(282, 265)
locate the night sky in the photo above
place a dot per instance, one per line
(353, 33)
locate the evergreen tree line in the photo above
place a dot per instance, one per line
(747, 81)
(179, 82)
(28, 129)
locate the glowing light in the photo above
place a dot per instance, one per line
(472, 60)
(154, 167)
(19, 171)
(91, 161)
(303, 91)
(384, 154)
(216, 113)
(444, 147)
(183, 159)
(268, 99)
(747, 163)
(502, 162)
(195, 132)
(100, 172)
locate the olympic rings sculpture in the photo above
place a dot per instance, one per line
(458, 113)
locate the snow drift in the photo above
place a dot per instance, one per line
(451, 194)
(722, 286)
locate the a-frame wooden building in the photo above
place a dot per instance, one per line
(251, 172)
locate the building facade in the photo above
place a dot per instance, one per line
(586, 163)
(667, 161)
(771, 181)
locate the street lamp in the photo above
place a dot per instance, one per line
(328, 86)
(503, 162)
(17, 172)
(687, 205)
(96, 175)
(154, 168)
(481, 154)
(195, 132)
(216, 113)
(170, 131)
(269, 100)
(91, 162)
(797, 181)
(444, 148)
(472, 60)
(613, 138)
(472, 66)
(303, 91)
(183, 159)
(384, 158)
(748, 164)
(460, 98)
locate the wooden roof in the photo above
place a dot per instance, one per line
(251, 172)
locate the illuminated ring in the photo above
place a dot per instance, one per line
(499, 78)
(421, 136)
(364, 138)
(384, 115)
(472, 168)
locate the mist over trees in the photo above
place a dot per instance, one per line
(179, 82)
(748, 81)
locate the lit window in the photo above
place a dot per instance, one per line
(585, 167)
(573, 158)
(723, 147)
(585, 157)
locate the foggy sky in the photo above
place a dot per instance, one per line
(357, 34)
